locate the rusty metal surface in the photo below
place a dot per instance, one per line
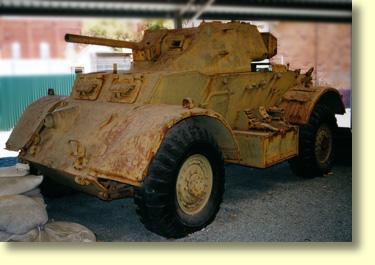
(299, 102)
(263, 149)
(115, 144)
(100, 41)
(220, 47)
(103, 138)
(31, 121)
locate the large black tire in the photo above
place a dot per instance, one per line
(157, 200)
(316, 144)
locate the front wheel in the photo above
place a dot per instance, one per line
(185, 183)
(316, 144)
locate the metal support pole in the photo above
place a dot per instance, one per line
(316, 53)
(177, 20)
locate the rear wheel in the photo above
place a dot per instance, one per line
(185, 183)
(316, 144)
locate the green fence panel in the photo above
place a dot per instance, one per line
(17, 92)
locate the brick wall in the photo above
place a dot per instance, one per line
(325, 46)
(31, 32)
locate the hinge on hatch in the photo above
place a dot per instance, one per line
(125, 89)
(87, 87)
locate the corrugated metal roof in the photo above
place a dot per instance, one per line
(319, 10)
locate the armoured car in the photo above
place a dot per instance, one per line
(161, 132)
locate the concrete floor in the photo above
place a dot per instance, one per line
(259, 206)
(270, 205)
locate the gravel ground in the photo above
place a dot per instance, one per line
(270, 205)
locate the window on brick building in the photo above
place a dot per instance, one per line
(16, 50)
(44, 50)
(69, 50)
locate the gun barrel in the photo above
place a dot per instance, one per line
(100, 41)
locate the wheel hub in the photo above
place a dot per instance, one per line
(323, 144)
(194, 184)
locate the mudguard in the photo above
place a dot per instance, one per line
(299, 102)
(31, 121)
(117, 143)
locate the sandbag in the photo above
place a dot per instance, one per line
(18, 185)
(39, 200)
(55, 232)
(5, 237)
(30, 236)
(67, 232)
(17, 170)
(19, 214)
(33, 193)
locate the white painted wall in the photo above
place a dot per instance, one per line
(3, 139)
(54, 66)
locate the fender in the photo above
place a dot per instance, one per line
(31, 121)
(139, 138)
(299, 102)
(118, 143)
